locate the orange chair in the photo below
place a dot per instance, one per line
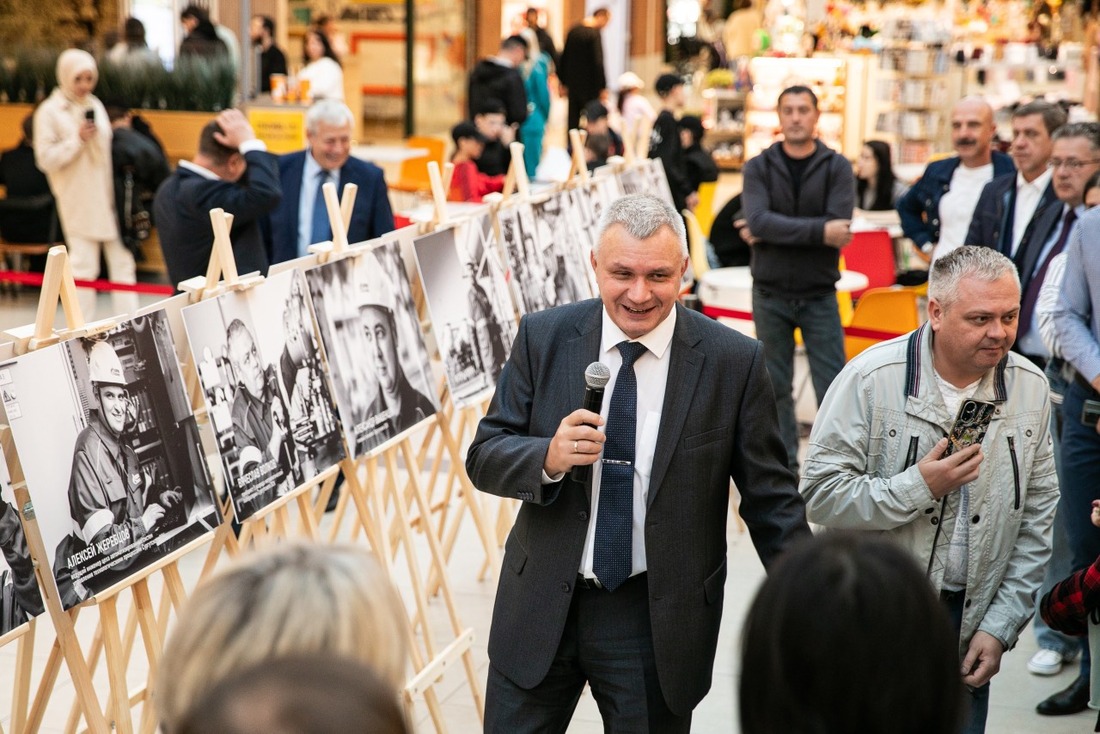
(872, 253)
(892, 310)
(413, 176)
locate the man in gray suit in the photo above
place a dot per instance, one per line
(618, 580)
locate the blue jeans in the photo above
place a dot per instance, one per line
(776, 318)
(977, 698)
(1060, 565)
(1081, 470)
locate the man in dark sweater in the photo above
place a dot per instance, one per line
(581, 74)
(798, 198)
(232, 170)
(498, 78)
(664, 141)
(272, 59)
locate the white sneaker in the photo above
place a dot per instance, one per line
(1046, 662)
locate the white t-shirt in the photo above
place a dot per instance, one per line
(958, 550)
(957, 206)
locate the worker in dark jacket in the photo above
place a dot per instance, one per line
(798, 199)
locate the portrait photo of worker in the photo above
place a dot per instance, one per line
(135, 487)
(375, 350)
(270, 402)
(472, 315)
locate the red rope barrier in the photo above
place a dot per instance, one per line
(857, 331)
(35, 279)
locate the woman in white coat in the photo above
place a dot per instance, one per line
(72, 146)
(323, 71)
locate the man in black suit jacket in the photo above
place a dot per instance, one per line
(216, 177)
(329, 125)
(1011, 201)
(705, 414)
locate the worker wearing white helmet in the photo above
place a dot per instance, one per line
(109, 498)
(399, 405)
(265, 464)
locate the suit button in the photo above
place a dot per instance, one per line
(565, 587)
(582, 516)
(929, 511)
(975, 519)
(968, 603)
(935, 521)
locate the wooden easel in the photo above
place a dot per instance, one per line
(578, 169)
(23, 637)
(440, 185)
(58, 283)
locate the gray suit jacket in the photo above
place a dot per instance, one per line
(718, 421)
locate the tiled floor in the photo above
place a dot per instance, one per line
(1014, 693)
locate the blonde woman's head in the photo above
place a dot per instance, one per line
(296, 598)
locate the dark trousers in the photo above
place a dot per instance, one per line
(608, 643)
(577, 101)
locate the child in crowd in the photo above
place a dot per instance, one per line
(597, 148)
(594, 122)
(700, 167)
(664, 141)
(467, 182)
(489, 119)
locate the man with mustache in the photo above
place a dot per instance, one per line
(937, 210)
(979, 520)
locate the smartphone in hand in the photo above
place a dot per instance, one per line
(970, 426)
(89, 115)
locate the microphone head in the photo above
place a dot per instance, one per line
(597, 375)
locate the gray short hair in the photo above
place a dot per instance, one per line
(1090, 131)
(641, 215)
(983, 263)
(328, 112)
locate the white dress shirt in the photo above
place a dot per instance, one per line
(1029, 338)
(651, 370)
(306, 198)
(1027, 201)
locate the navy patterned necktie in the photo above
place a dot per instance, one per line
(319, 231)
(614, 516)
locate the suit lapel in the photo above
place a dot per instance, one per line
(684, 368)
(583, 350)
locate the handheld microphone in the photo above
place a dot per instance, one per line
(596, 377)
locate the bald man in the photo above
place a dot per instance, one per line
(936, 211)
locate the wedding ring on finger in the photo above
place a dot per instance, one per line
(575, 450)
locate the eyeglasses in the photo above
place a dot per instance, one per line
(1071, 164)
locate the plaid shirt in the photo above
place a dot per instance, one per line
(1066, 608)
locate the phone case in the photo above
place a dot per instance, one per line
(970, 425)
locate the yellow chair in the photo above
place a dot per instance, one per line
(697, 245)
(893, 310)
(704, 211)
(413, 176)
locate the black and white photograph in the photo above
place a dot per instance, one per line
(633, 181)
(658, 180)
(531, 279)
(471, 311)
(111, 453)
(563, 254)
(381, 375)
(267, 392)
(20, 599)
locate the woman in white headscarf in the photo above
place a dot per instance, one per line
(72, 146)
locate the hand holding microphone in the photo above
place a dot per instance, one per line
(577, 443)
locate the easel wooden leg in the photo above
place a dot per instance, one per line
(21, 691)
(150, 634)
(116, 669)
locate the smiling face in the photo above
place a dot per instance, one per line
(638, 279)
(378, 327)
(114, 402)
(974, 331)
(246, 363)
(330, 145)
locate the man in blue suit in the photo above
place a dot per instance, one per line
(302, 220)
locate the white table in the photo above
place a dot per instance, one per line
(730, 289)
(387, 153)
